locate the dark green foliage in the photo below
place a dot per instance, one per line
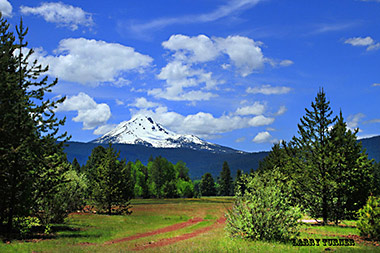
(225, 181)
(352, 173)
(276, 158)
(162, 178)
(207, 185)
(112, 184)
(369, 219)
(239, 184)
(28, 129)
(76, 166)
(310, 153)
(329, 174)
(263, 211)
(376, 179)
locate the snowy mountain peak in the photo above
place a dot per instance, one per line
(145, 131)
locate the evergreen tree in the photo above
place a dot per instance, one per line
(76, 166)
(310, 158)
(352, 172)
(112, 185)
(225, 181)
(276, 158)
(207, 185)
(28, 127)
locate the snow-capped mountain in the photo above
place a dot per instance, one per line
(142, 130)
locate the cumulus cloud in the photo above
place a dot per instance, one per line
(61, 14)
(202, 124)
(91, 62)
(144, 103)
(256, 109)
(194, 49)
(269, 90)
(6, 8)
(89, 112)
(260, 120)
(263, 137)
(244, 53)
(368, 42)
(179, 77)
(187, 79)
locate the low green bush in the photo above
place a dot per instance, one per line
(24, 224)
(369, 219)
(263, 211)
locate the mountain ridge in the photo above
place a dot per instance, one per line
(143, 130)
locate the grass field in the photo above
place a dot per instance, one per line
(163, 225)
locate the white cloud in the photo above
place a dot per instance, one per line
(268, 90)
(244, 52)
(61, 14)
(143, 103)
(201, 124)
(281, 111)
(376, 85)
(119, 102)
(263, 137)
(353, 120)
(89, 112)
(372, 121)
(6, 8)
(193, 49)
(374, 46)
(91, 62)
(178, 77)
(368, 42)
(260, 120)
(286, 63)
(242, 139)
(256, 109)
(104, 129)
(359, 41)
(222, 11)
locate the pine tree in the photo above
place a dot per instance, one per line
(112, 185)
(352, 172)
(28, 127)
(207, 185)
(310, 158)
(76, 166)
(225, 181)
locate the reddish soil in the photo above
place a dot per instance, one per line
(158, 231)
(167, 241)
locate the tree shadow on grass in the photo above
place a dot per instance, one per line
(37, 233)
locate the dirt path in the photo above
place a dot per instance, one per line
(171, 240)
(158, 231)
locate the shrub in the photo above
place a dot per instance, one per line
(24, 224)
(263, 211)
(369, 219)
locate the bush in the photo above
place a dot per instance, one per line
(68, 197)
(24, 225)
(369, 219)
(263, 211)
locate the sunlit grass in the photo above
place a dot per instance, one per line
(89, 232)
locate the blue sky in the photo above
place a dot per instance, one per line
(237, 73)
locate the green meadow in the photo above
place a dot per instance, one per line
(88, 232)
